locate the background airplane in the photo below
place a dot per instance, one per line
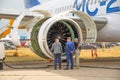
(89, 20)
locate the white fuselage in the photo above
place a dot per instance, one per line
(109, 9)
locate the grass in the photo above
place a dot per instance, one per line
(25, 54)
(102, 53)
(22, 59)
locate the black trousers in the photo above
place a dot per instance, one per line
(57, 59)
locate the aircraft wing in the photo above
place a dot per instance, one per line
(28, 16)
(99, 21)
(10, 15)
(14, 16)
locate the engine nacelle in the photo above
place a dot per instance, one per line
(46, 30)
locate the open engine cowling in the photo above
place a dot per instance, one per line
(46, 30)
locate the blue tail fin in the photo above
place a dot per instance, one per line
(31, 3)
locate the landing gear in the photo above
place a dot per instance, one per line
(1, 65)
(2, 54)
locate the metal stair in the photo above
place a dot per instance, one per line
(5, 30)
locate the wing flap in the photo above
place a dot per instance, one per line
(14, 16)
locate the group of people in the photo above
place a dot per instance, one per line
(71, 48)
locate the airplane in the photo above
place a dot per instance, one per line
(88, 20)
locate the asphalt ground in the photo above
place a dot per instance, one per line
(90, 69)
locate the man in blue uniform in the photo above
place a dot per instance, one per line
(69, 52)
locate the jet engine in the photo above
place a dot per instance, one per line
(47, 29)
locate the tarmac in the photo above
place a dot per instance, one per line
(106, 70)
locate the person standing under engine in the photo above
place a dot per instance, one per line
(77, 52)
(70, 48)
(57, 50)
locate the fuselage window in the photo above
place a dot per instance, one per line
(99, 1)
(71, 7)
(91, 2)
(83, 3)
(88, 2)
(62, 9)
(95, 1)
(68, 8)
(65, 8)
(59, 9)
(56, 10)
